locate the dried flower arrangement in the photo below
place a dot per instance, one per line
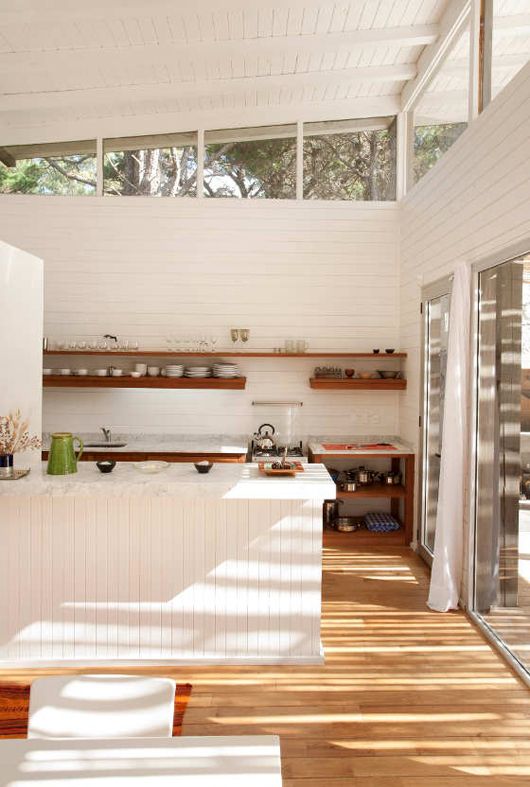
(14, 434)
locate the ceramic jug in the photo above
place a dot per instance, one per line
(62, 458)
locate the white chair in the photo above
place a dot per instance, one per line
(101, 706)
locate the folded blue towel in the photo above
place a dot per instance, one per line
(381, 522)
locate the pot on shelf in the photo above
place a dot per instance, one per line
(390, 478)
(364, 477)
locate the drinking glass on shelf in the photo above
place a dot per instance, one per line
(134, 344)
(244, 334)
(72, 344)
(234, 334)
(102, 345)
(213, 342)
(81, 344)
(290, 346)
(124, 344)
(92, 344)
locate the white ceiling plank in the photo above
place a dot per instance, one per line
(115, 125)
(144, 92)
(153, 53)
(451, 26)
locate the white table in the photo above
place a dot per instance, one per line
(142, 762)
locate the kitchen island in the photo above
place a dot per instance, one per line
(175, 567)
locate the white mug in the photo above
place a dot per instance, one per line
(153, 371)
(140, 367)
(117, 372)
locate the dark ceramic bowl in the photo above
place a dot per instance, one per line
(375, 352)
(203, 467)
(106, 466)
(349, 372)
(390, 351)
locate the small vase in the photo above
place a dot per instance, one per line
(6, 466)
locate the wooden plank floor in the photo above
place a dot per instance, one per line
(406, 697)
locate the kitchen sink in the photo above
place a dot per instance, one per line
(105, 445)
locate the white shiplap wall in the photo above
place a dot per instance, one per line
(472, 205)
(147, 268)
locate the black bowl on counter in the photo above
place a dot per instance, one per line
(203, 467)
(106, 465)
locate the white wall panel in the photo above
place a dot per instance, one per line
(21, 317)
(146, 268)
(472, 205)
(160, 578)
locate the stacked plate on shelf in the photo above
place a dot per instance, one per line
(174, 370)
(197, 371)
(226, 370)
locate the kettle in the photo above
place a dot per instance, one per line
(263, 439)
(62, 459)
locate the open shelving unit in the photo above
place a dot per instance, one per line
(401, 496)
(93, 381)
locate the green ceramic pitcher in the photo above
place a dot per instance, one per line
(62, 458)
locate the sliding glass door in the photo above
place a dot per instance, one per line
(435, 307)
(502, 530)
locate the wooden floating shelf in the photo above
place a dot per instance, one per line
(221, 354)
(91, 381)
(374, 490)
(349, 384)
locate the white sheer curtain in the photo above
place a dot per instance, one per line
(446, 576)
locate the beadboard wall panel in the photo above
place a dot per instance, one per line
(472, 205)
(146, 578)
(147, 268)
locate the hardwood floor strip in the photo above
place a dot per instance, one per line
(406, 697)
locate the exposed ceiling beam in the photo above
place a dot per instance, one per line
(57, 130)
(203, 88)
(210, 52)
(461, 65)
(451, 26)
(514, 24)
(7, 158)
(43, 11)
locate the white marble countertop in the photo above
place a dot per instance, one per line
(224, 481)
(400, 447)
(164, 443)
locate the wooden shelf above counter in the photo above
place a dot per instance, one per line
(222, 354)
(355, 384)
(92, 381)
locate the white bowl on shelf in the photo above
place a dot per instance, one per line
(65, 372)
(47, 371)
(100, 372)
(82, 372)
(136, 374)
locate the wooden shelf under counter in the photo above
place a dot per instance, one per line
(356, 384)
(373, 490)
(93, 381)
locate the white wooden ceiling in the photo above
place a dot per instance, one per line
(82, 68)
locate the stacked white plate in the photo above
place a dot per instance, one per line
(174, 370)
(197, 371)
(225, 370)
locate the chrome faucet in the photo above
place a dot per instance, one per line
(107, 434)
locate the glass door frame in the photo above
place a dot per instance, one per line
(511, 253)
(429, 292)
